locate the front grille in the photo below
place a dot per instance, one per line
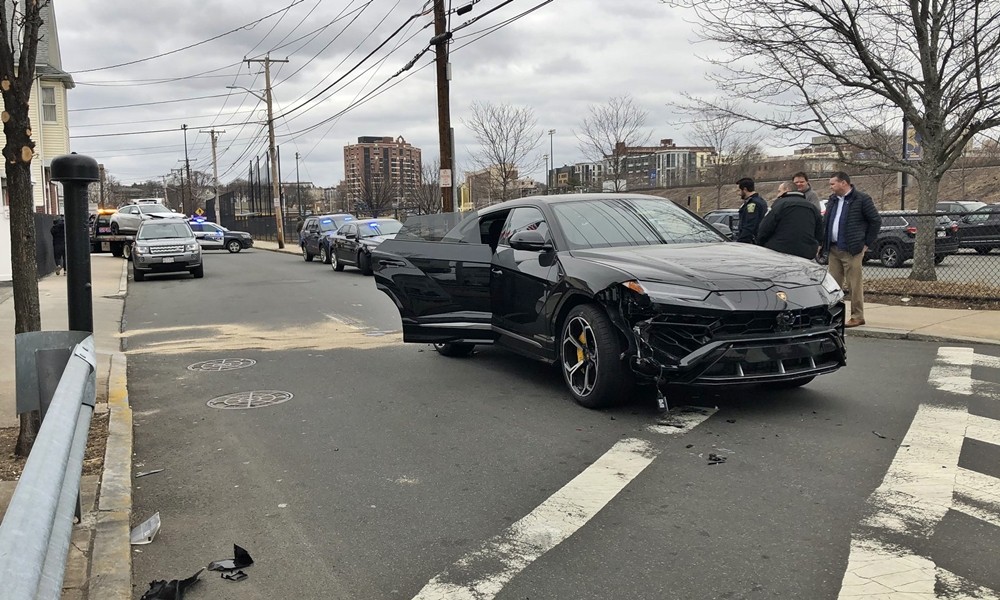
(786, 359)
(166, 249)
(679, 334)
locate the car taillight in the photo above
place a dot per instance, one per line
(911, 230)
(954, 226)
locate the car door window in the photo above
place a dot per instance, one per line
(978, 217)
(525, 218)
(197, 227)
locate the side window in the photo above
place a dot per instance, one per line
(197, 227)
(525, 218)
(978, 217)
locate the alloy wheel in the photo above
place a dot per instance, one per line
(579, 356)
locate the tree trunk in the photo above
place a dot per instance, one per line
(923, 250)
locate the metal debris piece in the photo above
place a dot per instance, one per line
(241, 559)
(144, 532)
(237, 576)
(878, 434)
(144, 473)
(170, 590)
(715, 459)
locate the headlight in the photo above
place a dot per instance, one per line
(666, 291)
(192, 247)
(137, 249)
(244, 235)
(830, 284)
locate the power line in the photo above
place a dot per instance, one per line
(195, 45)
(174, 101)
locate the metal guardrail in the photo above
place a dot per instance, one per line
(36, 530)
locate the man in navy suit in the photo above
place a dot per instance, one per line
(851, 225)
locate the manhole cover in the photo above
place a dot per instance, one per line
(222, 364)
(255, 399)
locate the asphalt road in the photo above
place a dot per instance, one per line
(392, 472)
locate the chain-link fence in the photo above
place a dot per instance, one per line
(967, 260)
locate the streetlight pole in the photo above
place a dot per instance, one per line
(553, 157)
(546, 157)
(298, 184)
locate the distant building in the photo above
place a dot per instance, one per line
(481, 188)
(381, 170)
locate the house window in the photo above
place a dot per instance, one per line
(49, 114)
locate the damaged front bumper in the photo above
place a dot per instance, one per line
(752, 343)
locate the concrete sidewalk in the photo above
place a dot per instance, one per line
(99, 564)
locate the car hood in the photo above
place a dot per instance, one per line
(376, 240)
(714, 267)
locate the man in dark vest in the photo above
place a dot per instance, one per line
(58, 232)
(851, 225)
(751, 212)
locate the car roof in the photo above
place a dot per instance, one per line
(566, 198)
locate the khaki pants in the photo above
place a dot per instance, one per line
(846, 269)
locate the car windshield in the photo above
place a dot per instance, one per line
(159, 231)
(148, 209)
(630, 222)
(327, 225)
(377, 228)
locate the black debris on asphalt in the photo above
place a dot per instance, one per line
(144, 473)
(878, 434)
(237, 576)
(241, 559)
(170, 590)
(730, 420)
(715, 459)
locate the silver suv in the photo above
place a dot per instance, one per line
(165, 245)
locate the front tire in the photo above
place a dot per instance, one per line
(938, 259)
(337, 265)
(306, 255)
(455, 349)
(324, 255)
(138, 275)
(589, 358)
(198, 272)
(234, 246)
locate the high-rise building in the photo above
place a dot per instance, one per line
(381, 175)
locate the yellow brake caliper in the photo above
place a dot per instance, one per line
(583, 342)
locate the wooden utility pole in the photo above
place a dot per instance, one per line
(215, 167)
(275, 184)
(440, 41)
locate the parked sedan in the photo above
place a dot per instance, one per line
(128, 217)
(896, 239)
(213, 236)
(981, 229)
(353, 243)
(616, 289)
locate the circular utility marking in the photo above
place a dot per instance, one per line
(255, 399)
(222, 364)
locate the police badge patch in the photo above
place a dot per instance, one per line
(752, 206)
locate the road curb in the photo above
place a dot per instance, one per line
(111, 554)
(123, 282)
(903, 334)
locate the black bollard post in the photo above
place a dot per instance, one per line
(76, 172)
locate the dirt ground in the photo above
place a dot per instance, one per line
(93, 459)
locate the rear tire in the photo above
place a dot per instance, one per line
(589, 358)
(890, 256)
(114, 229)
(983, 250)
(455, 349)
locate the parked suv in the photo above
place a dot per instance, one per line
(728, 217)
(314, 239)
(214, 236)
(128, 217)
(163, 246)
(895, 241)
(956, 209)
(981, 230)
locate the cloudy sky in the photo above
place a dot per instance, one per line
(144, 68)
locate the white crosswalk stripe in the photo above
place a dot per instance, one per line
(922, 484)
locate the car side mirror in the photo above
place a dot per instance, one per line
(351, 235)
(530, 240)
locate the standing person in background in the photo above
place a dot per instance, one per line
(751, 212)
(851, 225)
(793, 226)
(801, 181)
(58, 232)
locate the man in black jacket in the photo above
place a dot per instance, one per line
(794, 225)
(751, 212)
(851, 225)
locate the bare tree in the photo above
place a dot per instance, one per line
(837, 67)
(427, 195)
(608, 133)
(19, 27)
(378, 196)
(735, 149)
(508, 137)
